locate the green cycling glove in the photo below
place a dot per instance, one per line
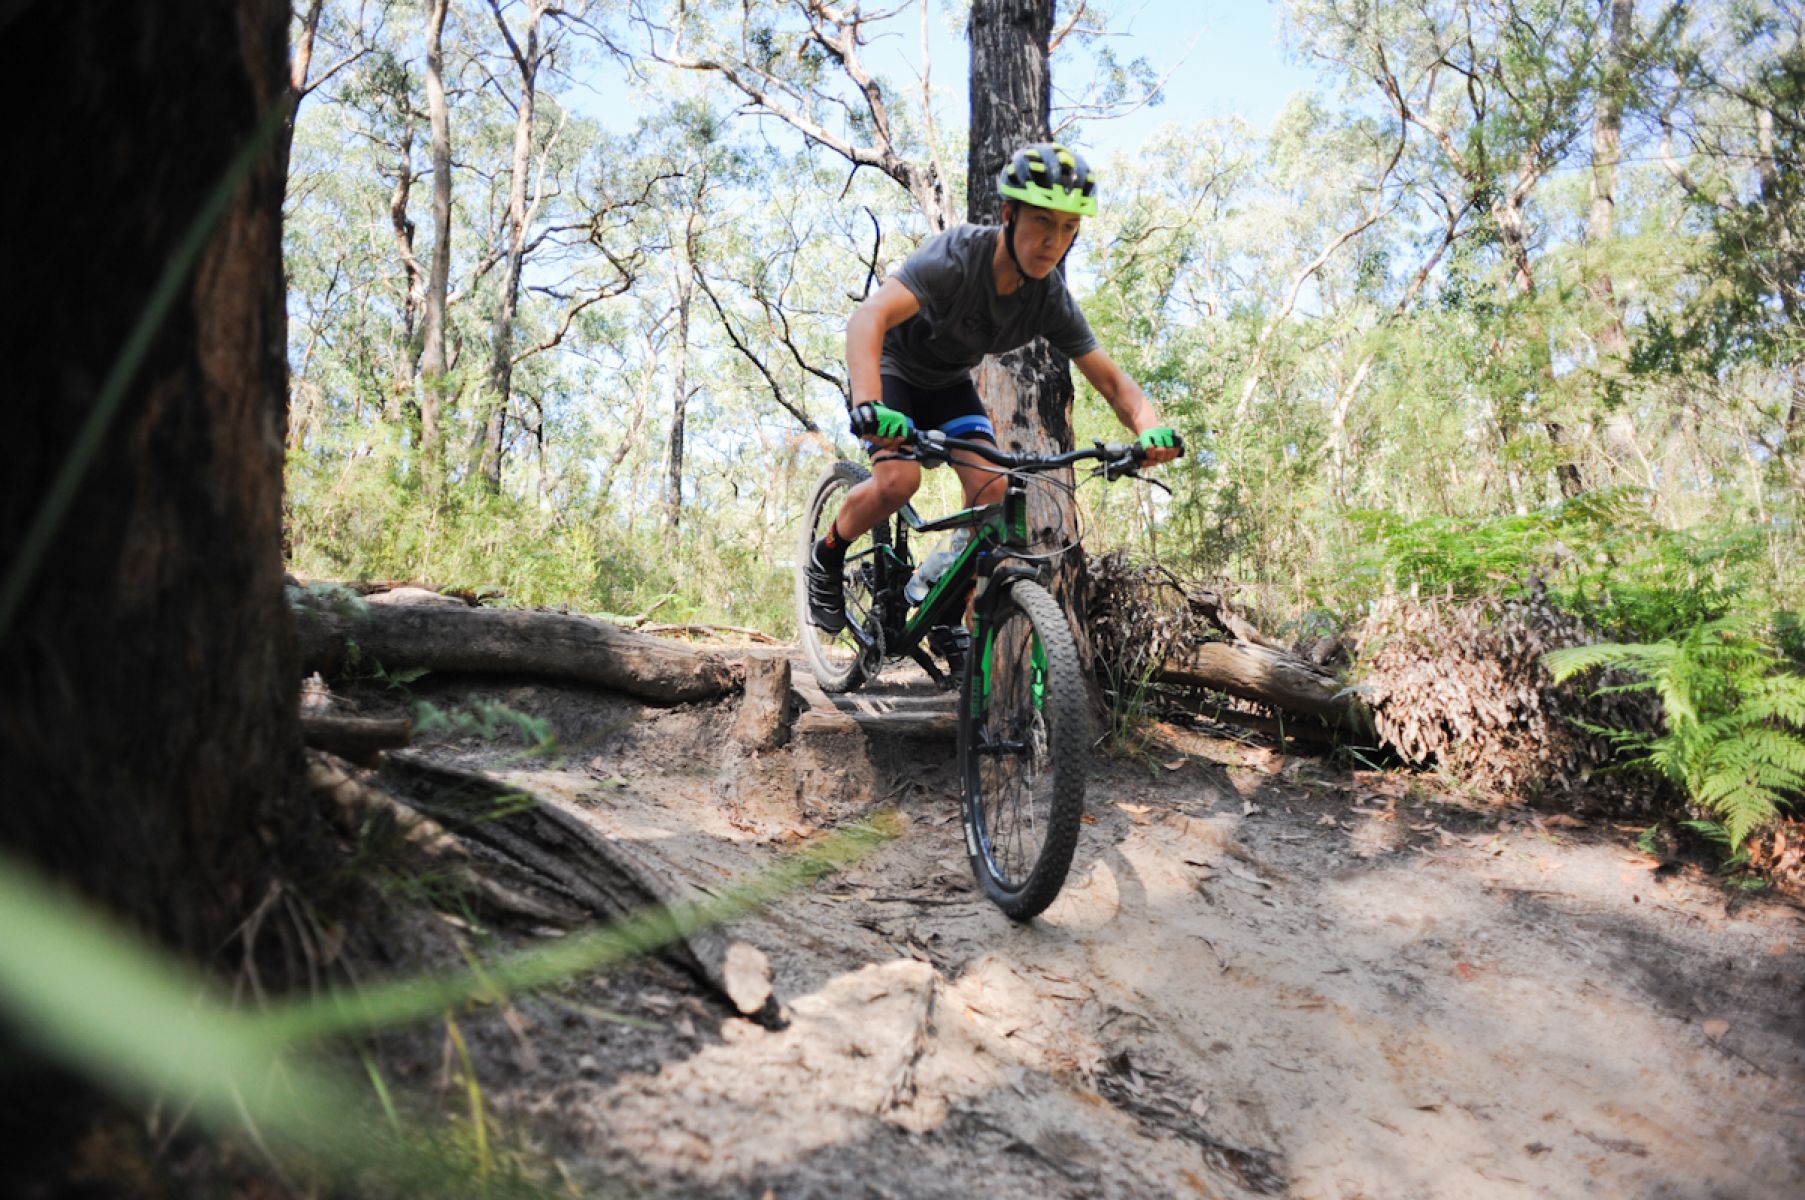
(876, 421)
(1161, 437)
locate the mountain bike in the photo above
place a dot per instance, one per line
(1022, 705)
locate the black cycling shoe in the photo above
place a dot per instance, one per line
(826, 594)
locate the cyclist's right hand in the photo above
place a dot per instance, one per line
(884, 428)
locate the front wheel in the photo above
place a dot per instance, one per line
(840, 662)
(1021, 751)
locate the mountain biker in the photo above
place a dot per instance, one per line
(967, 292)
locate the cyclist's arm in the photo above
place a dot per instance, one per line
(882, 311)
(1124, 395)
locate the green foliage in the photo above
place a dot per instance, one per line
(1735, 715)
(485, 719)
(1601, 556)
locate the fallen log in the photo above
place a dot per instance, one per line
(1267, 676)
(504, 641)
(355, 738)
(571, 858)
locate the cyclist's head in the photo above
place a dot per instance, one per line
(1048, 175)
(1054, 187)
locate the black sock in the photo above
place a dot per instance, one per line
(830, 551)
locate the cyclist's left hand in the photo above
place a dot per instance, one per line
(1162, 443)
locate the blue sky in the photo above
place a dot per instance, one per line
(1228, 58)
(1219, 58)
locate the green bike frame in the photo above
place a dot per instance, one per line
(999, 535)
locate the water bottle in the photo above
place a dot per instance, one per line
(934, 566)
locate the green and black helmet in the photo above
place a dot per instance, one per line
(1050, 176)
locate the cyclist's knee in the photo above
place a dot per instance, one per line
(897, 482)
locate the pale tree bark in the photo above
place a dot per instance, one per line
(1789, 281)
(685, 283)
(414, 298)
(1028, 392)
(432, 346)
(493, 412)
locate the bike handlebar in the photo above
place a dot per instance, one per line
(933, 447)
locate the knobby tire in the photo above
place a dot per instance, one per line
(835, 657)
(1022, 762)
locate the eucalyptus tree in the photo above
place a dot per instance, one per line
(1729, 93)
(545, 32)
(1500, 87)
(433, 364)
(804, 62)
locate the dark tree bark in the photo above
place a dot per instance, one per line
(148, 719)
(1027, 392)
(148, 723)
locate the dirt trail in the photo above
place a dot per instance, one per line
(1263, 978)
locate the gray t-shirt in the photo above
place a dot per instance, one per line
(962, 318)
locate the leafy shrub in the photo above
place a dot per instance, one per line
(1734, 713)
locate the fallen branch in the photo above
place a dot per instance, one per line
(1276, 678)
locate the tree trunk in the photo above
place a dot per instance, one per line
(148, 718)
(1028, 392)
(673, 460)
(1276, 678)
(149, 712)
(1607, 153)
(501, 336)
(432, 348)
(415, 298)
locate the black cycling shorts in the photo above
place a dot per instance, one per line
(955, 411)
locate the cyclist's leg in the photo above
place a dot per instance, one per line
(893, 481)
(961, 415)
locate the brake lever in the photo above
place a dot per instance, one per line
(1150, 479)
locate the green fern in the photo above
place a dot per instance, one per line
(1734, 713)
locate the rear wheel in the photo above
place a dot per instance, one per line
(1021, 752)
(840, 661)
